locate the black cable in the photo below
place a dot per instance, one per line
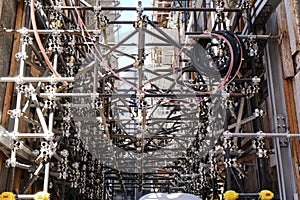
(202, 63)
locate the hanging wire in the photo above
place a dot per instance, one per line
(225, 81)
(39, 42)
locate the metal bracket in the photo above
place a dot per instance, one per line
(220, 7)
(97, 9)
(141, 22)
(21, 56)
(283, 141)
(281, 123)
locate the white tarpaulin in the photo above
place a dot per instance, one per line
(166, 196)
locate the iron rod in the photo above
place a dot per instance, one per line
(46, 177)
(199, 35)
(169, 38)
(36, 79)
(121, 42)
(166, 9)
(122, 95)
(28, 135)
(34, 178)
(260, 134)
(25, 196)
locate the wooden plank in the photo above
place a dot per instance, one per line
(291, 25)
(291, 89)
(35, 72)
(296, 143)
(295, 6)
(1, 160)
(13, 66)
(291, 106)
(248, 158)
(17, 180)
(296, 85)
(293, 127)
(1, 6)
(285, 48)
(297, 61)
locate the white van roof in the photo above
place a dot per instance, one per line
(171, 196)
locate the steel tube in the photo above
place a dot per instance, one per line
(227, 153)
(120, 42)
(51, 114)
(36, 79)
(46, 177)
(36, 52)
(84, 69)
(28, 135)
(49, 134)
(121, 95)
(33, 179)
(170, 39)
(156, 36)
(40, 114)
(19, 95)
(117, 51)
(201, 35)
(25, 196)
(79, 32)
(244, 121)
(166, 9)
(23, 166)
(240, 115)
(17, 118)
(260, 134)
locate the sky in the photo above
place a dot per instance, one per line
(131, 15)
(126, 29)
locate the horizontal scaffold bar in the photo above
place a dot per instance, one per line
(166, 9)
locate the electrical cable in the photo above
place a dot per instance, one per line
(39, 42)
(235, 43)
(241, 59)
(200, 68)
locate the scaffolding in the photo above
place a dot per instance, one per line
(175, 104)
